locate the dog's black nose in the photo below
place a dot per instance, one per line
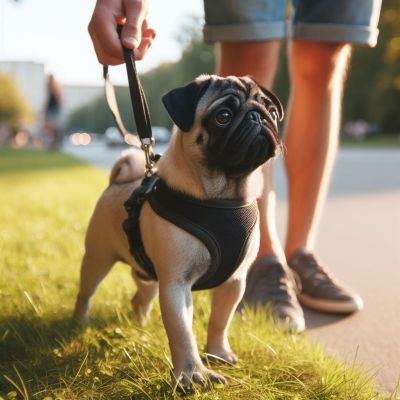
(253, 116)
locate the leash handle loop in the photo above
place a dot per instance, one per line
(112, 102)
(139, 106)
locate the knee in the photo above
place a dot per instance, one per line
(318, 63)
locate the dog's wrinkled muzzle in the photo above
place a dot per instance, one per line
(242, 149)
(253, 116)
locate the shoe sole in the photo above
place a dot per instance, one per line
(291, 325)
(329, 306)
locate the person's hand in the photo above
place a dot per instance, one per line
(135, 34)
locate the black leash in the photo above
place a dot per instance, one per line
(139, 106)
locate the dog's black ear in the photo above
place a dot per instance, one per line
(276, 102)
(274, 99)
(181, 103)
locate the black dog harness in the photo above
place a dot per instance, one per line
(223, 225)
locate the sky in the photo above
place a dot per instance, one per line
(54, 32)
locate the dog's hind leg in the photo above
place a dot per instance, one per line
(95, 266)
(225, 298)
(142, 300)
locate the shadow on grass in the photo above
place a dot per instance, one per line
(33, 160)
(21, 335)
(47, 355)
(33, 347)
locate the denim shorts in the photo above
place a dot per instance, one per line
(345, 21)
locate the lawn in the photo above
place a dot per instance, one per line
(46, 201)
(378, 141)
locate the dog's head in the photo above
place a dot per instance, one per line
(231, 122)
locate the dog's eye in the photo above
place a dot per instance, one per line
(274, 113)
(223, 117)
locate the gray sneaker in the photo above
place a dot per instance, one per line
(320, 290)
(269, 282)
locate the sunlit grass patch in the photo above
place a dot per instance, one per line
(46, 202)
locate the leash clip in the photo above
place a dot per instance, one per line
(147, 144)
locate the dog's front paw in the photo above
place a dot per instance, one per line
(185, 378)
(214, 354)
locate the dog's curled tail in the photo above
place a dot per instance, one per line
(129, 167)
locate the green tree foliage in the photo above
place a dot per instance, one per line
(197, 58)
(372, 90)
(96, 116)
(14, 110)
(373, 87)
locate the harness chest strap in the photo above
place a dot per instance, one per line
(224, 226)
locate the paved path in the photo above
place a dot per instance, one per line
(359, 238)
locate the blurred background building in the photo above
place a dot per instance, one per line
(31, 79)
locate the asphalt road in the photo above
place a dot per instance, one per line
(359, 239)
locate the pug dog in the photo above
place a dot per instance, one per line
(225, 131)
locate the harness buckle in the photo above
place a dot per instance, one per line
(147, 186)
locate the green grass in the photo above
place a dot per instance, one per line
(378, 141)
(46, 201)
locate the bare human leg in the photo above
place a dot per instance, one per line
(317, 72)
(260, 60)
(269, 280)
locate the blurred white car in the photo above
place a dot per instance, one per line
(161, 134)
(112, 137)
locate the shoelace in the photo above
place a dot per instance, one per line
(313, 269)
(275, 281)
